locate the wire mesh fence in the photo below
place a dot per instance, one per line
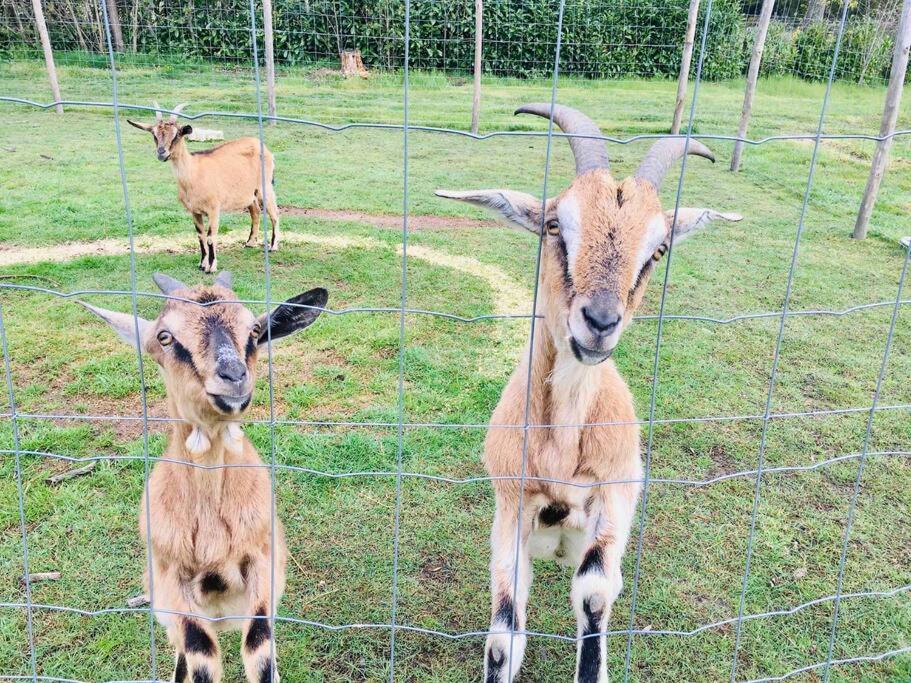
(393, 617)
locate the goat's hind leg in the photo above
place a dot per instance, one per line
(255, 214)
(505, 649)
(257, 644)
(201, 235)
(211, 264)
(272, 211)
(597, 581)
(198, 657)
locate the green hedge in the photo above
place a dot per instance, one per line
(601, 38)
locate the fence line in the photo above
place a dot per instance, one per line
(401, 425)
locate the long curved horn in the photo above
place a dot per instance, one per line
(662, 155)
(176, 111)
(157, 111)
(589, 153)
(167, 284)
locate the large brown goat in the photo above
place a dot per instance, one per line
(227, 177)
(602, 238)
(210, 498)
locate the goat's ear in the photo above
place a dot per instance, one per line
(124, 324)
(140, 126)
(690, 221)
(186, 130)
(518, 208)
(287, 319)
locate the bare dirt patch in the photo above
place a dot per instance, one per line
(415, 222)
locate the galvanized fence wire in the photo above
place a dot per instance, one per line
(401, 425)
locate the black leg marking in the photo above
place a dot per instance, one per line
(265, 675)
(553, 514)
(212, 582)
(592, 562)
(259, 631)
(505, 613)
(180, 669)
(197, 640)
(211, 253)
(202, 676)
(590, 655)
(494, 664)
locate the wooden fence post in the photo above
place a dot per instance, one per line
(890, 116)
(478, 42)
(685, 61)
(48, 53)
(762, 30)
(270, 58)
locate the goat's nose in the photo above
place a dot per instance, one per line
(232, 371)
(600, 320)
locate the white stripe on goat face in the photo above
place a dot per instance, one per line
(655, 234)
(570, 220)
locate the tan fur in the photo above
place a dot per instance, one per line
(227, 177)
(213, 522)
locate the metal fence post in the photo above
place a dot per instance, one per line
(890, 116)
(478, 44)
(685, 61)
(270, 59)
(762, 30)
(48, 53)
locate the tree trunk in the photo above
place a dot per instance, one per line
(114, 20)
(352, 64)
(79, 36)
(41, 26)
(685, 61)
(134, 24)
(478, 44)
(890, 116)
(752, 75)
(816, 10)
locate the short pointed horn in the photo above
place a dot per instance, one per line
(157, 111)
(664, 153)
(589, 152)
(167, 284)
(176, 111)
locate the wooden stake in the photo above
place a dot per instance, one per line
(48, 53)
(685, 61)
(762, 30)
(478, 43)
(890, 116)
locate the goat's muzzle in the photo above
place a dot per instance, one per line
(163, 154)
(594, 323)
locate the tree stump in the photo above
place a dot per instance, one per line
(352, 64)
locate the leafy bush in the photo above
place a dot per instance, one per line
(779, 52)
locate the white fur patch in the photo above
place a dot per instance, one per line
(570, 227)
(655, 232)
(234, 438)
(197, 443)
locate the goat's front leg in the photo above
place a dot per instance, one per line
(198, 657)
(201, 235)
(211, 265)
(505, 648)
(598, 581)
(256, 647)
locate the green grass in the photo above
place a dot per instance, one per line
(61, 183)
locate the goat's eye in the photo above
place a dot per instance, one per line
(165, 338)
(552, 227)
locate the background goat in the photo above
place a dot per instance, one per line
(602, 239)
(211, 526)
(224, 178)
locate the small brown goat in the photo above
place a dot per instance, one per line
(602, 238)
(210, 501)
(227, 177)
